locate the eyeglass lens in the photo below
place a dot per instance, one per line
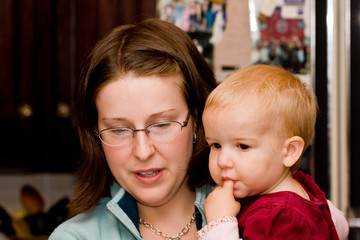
(157, 132)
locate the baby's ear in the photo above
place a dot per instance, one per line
(294, 147)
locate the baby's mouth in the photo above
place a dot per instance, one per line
(149, 173)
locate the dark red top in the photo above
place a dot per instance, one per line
(286, 215)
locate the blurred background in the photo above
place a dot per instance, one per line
(44, 42)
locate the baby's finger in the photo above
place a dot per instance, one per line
(228, 185)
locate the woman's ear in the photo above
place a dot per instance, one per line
(294, 147)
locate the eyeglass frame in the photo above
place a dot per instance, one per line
(184, 124)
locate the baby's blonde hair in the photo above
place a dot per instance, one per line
(275, 92)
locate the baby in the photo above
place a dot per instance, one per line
(258, 123)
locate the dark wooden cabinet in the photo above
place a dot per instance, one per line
(355, 106)
(43, 44)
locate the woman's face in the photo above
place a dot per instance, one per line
(152, 172)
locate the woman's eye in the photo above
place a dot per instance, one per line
(243, 146)
(161, 125)
(120, 131)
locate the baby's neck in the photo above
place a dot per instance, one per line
(291, 185)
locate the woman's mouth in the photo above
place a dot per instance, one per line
(150, 176)
(149, 173)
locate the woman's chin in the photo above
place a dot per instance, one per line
(152, 199)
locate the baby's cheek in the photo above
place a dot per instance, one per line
(215, 173)
(237, 193)
(241, 191)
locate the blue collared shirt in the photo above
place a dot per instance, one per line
(117, 218)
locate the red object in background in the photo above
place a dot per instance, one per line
(279, 28)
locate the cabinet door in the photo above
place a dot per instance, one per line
(43, 44)
(20, 138)
(355, 107)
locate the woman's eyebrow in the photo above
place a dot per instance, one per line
(154, 115)
(161, 113)
(114, 119)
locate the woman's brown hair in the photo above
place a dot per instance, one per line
(150, 47)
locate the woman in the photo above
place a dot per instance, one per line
(138, 107)
(138, 110)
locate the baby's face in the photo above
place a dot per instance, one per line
(245, 148)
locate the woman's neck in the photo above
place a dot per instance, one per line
(183, 203)
(170, 217)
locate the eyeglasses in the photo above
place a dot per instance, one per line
(157, 132)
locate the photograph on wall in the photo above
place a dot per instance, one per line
(282, 35)
(203, 20)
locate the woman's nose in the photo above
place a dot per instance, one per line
(143, 146)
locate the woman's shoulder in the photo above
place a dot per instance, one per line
(83, 225)
(205, 189)
(202, 193)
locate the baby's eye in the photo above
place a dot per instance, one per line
(215, 145)
(243, 146)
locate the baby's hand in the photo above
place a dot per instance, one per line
(221, 202)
